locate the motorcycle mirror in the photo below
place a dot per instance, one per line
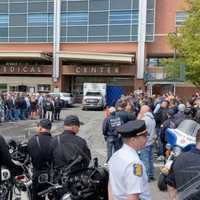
(43, 178)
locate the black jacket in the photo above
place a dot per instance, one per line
(5, 158)
(185, 175)
(40, 150)
(69, 149)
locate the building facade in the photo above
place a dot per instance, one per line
(60, 44)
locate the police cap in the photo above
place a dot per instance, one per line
(132, 128)
(45, 123)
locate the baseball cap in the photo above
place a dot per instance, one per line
(72, 120)
(45, 123)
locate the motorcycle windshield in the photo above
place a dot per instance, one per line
(189, 127)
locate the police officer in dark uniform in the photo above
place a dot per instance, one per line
(40, 150)
(68, 146)
(5, 158)
(184, 178)
(110, 134)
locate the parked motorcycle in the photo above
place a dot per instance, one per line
(21, 184)
(180, 139)
(83, 184)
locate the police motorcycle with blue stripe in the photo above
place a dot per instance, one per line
(81, 184)
(180, 139)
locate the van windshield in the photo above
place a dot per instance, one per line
(93, 94)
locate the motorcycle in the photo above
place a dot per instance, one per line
(180, 139)
(21, 184)
(80, 184)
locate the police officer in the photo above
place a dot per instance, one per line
(58, 107)
(110, 134)
(68, 146)
(184, 180)
(40, 150)
(127, 175)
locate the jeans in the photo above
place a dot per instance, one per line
(160, 144)
(146, 155)
(17, 114)
(113, 144)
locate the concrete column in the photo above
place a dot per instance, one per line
(141, 38)
(56, 39)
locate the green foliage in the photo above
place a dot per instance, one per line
(171, 68)
(187, 42)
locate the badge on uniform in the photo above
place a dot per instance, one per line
(137, 170)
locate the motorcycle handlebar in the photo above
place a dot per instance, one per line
(50, 189)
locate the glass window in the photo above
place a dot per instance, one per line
(63, 19)
(37, 19)
(98, 18)
(98, 39)
(150, 4)
(80, 18)
(78, 5)
(5, 39)
(135, 30)
(77, 31)
(120, 4)
(18, 7)
(180, 17)
(149, 38)
(37, 31)
(150, 16)
(99, 4)
(120, 17)
(119, 30)
(135, 16)
(77, 39)
(119, 38)
(17, 20)
(50, 19)
(37, 7)
(149, 30)
(63, 31)
(3, 32)
(135, 5)
(14, 39)
(50, 32)
(3, 8)
(98, 30)
(37, 39)
(64, 6)
(51, 7)
(17, 31)
(3, 20)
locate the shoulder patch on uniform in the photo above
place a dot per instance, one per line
(137, 170)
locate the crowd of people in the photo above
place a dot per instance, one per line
(159, 113)
(21, 106)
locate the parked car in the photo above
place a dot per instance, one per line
(66, 97)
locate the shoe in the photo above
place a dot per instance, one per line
(160, 158)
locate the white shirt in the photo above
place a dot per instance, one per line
(127, 175)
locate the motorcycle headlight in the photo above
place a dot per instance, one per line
(177, 150)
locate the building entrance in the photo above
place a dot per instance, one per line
(74, 84)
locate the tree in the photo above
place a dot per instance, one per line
(187, 42)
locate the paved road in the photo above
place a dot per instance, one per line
(91, 131)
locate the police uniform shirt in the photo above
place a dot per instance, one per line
(127, 175)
